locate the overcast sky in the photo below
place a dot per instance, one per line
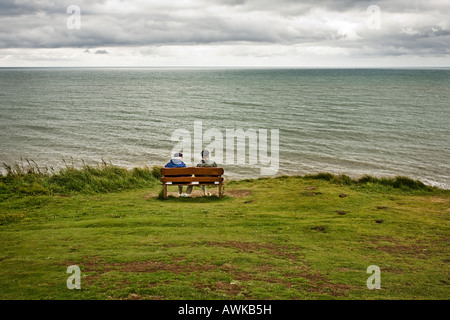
(290, 33)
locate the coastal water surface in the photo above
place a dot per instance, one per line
(384, 122)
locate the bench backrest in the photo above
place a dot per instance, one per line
(201, 175)
(197, 171)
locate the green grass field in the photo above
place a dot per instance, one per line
(309, 237)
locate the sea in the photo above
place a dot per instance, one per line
(374, 121)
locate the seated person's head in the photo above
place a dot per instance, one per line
(178, 156)
(205, 154)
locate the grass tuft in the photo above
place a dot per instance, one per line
(26, 178)
(398, 182)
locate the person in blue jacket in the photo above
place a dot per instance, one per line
(177, 162)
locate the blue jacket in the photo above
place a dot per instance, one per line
(175, 163)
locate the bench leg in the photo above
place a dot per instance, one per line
(220, 190)
(165, 191)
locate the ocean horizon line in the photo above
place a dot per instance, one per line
(237, 67)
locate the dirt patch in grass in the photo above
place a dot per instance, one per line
(333, 289)
(251, 247)
(310, 193)
(319, 228)
(392, 270)
(438, 199)
(133, 296)
(232, 288)
(194, 194)
(415, 250)
(395, 247)
(346, 269)
(199, 193)
(238, 193)
(213, 191)
(242, 279)
(94, 264)
(316, 283)
(384, 238)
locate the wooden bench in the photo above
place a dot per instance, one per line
(192, 176)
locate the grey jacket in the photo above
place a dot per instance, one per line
(207, 163)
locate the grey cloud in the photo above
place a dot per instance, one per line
(42, 24)
(29, 7)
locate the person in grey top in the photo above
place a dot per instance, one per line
(206, 162)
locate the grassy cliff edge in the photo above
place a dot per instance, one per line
(308, 237)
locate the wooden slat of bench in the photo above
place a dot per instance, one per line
(198, 171)
(203, 180)
(184, 184)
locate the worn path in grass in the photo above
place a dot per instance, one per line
(283, 238)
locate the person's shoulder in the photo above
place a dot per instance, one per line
(201, 163)
(180, 164)
(207, 164)
(212, 163)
